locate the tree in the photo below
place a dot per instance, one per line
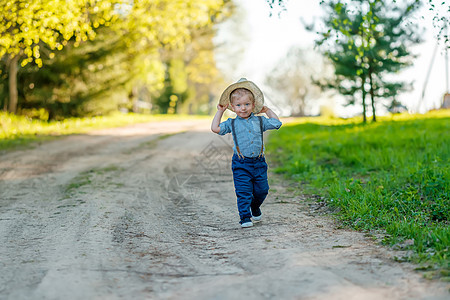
(370, 40)
(86, 80)
(203, 76)
(175, 87)
(28, 26)
(348, 81)
(173, 30)
(292, 78)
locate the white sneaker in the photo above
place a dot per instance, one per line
(247, 223)
(258, 218)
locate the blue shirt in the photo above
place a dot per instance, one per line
(248, 133)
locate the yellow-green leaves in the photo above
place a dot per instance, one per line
(24, 25)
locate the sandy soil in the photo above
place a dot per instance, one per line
(148, 212)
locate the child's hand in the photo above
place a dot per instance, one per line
(264, 110)
(215, 126)
(269, 113)
(222, 108)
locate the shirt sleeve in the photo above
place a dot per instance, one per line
(225, 127)
(271, 123)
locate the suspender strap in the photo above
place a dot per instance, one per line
(233, 131)
(262, 136)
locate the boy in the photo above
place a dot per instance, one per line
(248, 162)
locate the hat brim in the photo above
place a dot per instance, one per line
(257, 94)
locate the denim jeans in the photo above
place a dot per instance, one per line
(250, 183)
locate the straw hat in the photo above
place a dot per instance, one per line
(243, 83)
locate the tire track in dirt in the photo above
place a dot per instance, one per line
(138, 212)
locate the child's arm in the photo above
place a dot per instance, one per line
(216, 121)
(269, 113)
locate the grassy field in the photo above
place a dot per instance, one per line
(18, 132)
(393, 176)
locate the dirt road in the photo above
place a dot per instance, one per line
(148, 212)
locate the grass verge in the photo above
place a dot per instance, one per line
(18, 131)
(392, 175)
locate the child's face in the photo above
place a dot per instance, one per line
(243, 106)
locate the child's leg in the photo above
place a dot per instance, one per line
(260, 187)
(244, 188)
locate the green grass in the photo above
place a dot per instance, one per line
(19, 132)
(392, 175)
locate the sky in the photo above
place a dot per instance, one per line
(260, 40)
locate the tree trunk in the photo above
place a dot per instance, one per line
(12, 84)
(372, 94)
(363, 89)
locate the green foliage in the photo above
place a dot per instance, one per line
(29, 29)
(392, 175)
